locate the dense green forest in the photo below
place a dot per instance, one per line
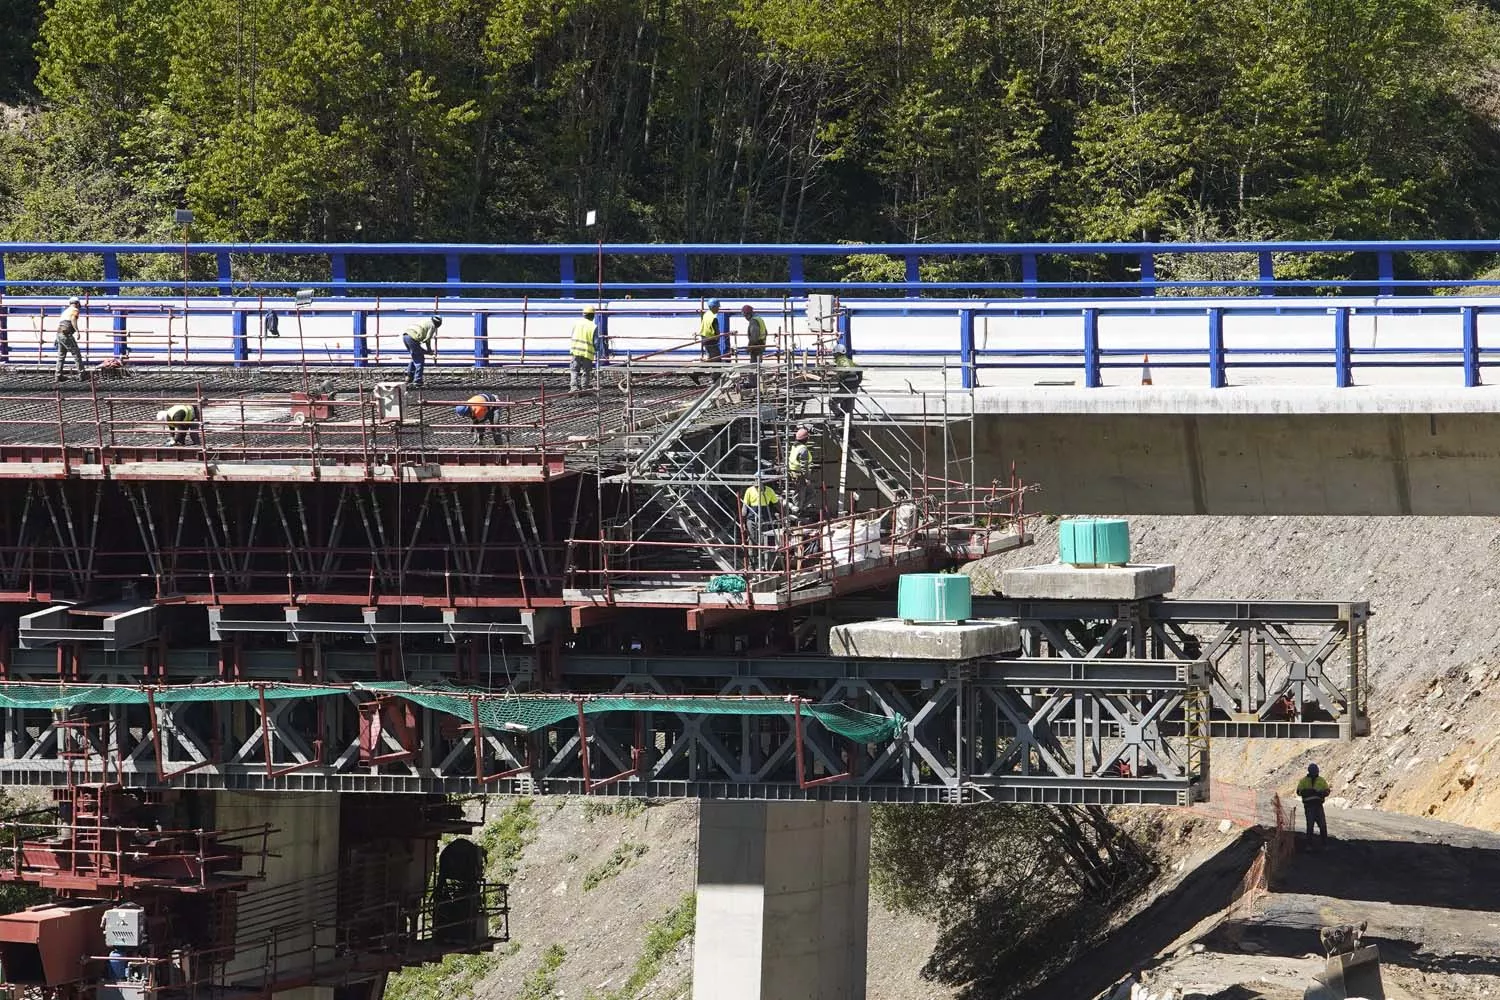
(749, 120)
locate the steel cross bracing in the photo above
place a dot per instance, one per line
(1277, 669)
(1050, 730)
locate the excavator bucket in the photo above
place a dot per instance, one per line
(1355, 976)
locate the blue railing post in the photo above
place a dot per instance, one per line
(1387, 263)
(966, 346)
(841, 320)
(1093, 378)
(121, 336)
(481, 339)
(4, 312)
(453, 269)
(1343, 363)
(226, 274)
(1218, 378)
(913, 276)
(1267, 271)
(112, 273)
(1148, 273)
(601, 337)
(361, 338)
(796, 275)
(1028, 276)
(680, 276)
(338, 270)
(566, 274)
(240, 344)
(1471, 347)
(723, 320)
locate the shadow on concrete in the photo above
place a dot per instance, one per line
(1393, 871)
(1209, 889)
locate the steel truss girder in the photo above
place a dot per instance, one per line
(1263, 655)
(1023, 730)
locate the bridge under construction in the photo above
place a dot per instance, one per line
(253, 657)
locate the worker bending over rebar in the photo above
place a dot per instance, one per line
(182, 424)
(482, 410)
(420, 338)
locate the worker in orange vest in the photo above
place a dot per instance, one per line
(482, 409)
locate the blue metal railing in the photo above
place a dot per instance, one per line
(978, 342)
(1027, 270)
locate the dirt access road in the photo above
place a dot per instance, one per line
(1430, 892)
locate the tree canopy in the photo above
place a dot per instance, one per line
(751, 120)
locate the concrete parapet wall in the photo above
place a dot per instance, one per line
(1296, 463)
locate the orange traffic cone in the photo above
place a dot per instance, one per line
(1145, 369)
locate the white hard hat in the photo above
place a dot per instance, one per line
(161, 414)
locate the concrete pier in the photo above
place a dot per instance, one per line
(892, 638)
(297, 891)
(783, 901)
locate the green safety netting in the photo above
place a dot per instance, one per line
(515, 712)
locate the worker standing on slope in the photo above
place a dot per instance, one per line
(708, 330)
(1313, 790)
(482, 409)
(66, 341)
(419, 338)
(755, 333)
(182, 423)
(582, 349)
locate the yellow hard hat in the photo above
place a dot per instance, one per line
(588, 311)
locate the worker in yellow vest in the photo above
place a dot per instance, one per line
(182, 423)
(799, 463)
(582, 350)
(1312, 790)
(708, 330)
(420, 338)
(66, 341)
(760, 508)
(755, 333)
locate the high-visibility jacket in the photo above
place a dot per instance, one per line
(708, 327)
(422, 332)
(1313, 789)
(70, 317)
(585, 332)
(182, 413)
(760, 496)
(843, 361)
(479, 406)
(755, 334)
(798, 459)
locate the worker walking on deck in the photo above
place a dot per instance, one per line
(584, 347)
(708, 331)
(66, 341)
(1313, 790)
(182, 424)
(755, 333)
(482, 409)
(420, 338)
(849, 378)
